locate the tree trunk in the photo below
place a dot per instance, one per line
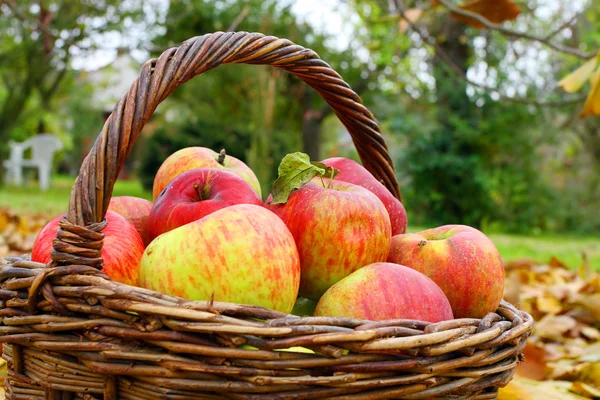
(451, 92)
(311, 127)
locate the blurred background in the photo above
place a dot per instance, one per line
(489, 107)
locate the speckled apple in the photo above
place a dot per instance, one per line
(200, 157)
(241, 254)
(122, 247)
(195, 194)
(461, 260)
(135, 210)
(339, 227)
(352, 172)
(382, 291)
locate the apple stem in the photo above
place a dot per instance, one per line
(199, 194)
(221, 158)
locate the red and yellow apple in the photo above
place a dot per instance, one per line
(241, 254)
(338, 227)
(195, 194)
(461, 260)
(200, 157)
(382, 291)
(135, 210)
(122, 247)
(353, 172)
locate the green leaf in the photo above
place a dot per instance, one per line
(295, 171)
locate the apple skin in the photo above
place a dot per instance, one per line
(382, 291)
(241, 254)
(461, 260)
(195, 194)
(337, 230)
(353, 172)
(122, 247)
(135, 210)
(200, 157)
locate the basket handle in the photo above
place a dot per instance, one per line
(79, 239)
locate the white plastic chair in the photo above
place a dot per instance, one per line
(43, 147)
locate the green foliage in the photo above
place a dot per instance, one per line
(37, 43)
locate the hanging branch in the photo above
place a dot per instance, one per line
(523, 35)
(442, 56)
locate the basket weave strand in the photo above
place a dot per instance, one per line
(69, 332)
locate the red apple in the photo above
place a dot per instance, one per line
(461, 260)
(382, 291)
(200, 157)
(195, 194)
(338, 227)
(122, 247)
(241, 254)
(353, 172)
(135, 210)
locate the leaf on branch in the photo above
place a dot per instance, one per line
(412, 15)
(496, 11)
(592, 103)
(295, 171)
(576, 79)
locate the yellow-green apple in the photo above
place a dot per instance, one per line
(353, 172)
(241, 254)
(382, 291)
(195, 194)
(200, 157)
(339, 227)
(122, 247)
(135, 210)
(461, 260)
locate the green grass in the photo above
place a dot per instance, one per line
(567, 248)
(30, 199)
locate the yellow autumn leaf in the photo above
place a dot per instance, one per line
(585, 390)
(513, 392)
(592, 103)
(576, 79)
(547, 303)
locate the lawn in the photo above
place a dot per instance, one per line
(567, 248)
(30, 199)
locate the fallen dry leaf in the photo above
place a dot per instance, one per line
(585, 390)
(537, 390)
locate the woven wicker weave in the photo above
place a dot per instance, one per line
(70, 332)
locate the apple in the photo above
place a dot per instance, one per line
(304, 307)
(200, 157)
(241, 254)
(353, 172)
(122, 247)
(461, 260)
(382, 291)
(195, 194)
(339, 227)
(135, 210)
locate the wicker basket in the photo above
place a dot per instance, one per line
(68, 331)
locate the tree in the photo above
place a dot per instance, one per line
(38, 40)
(276, 111)
(483, 134)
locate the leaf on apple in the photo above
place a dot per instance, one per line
(295, 171)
